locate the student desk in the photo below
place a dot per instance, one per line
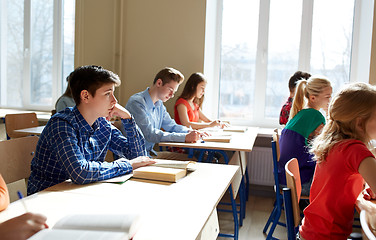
(240, 141)
(32, 131)
(42, 116)
(169, 211)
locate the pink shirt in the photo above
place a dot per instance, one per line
(193, 114)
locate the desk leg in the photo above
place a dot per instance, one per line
(211, 228)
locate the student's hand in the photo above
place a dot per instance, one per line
(224, 124)
(204, 134)
(119, 111)
(192, 136)
(23, 226)
(141, 162)
(215, 123)
(368, 194)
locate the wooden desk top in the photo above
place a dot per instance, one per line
(41, 115)
(239, 142)
(32, 131)
(169, 211)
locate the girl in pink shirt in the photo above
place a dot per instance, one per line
(344, 161)
(188, 106)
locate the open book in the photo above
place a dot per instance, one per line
(92, 226)
(235, 129)
(165, 170)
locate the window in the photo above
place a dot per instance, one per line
(37, 49)
(261, 43)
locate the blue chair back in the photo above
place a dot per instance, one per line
(275, 173)
(287, 200)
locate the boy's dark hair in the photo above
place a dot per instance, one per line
(299, 75)
(168, 74)
(90, 78)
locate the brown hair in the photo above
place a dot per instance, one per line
(90, 78)
(190, 88)
(168, 74)
(299, 75)
(355, 101)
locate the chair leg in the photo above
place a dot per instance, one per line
(201, 156)
(271, 217)
(243, 199)
(274, 218)
(235, 217)
(246, 183)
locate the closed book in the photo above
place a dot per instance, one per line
(159, 173)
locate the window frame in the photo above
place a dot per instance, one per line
(359, 63)
(57, 56)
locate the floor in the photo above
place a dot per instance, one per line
(258, 209)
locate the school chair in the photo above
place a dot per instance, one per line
(367, 225)
(19, 121)
(15, 160)
(278, 204)
(291, 197)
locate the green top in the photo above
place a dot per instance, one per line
(305, 122)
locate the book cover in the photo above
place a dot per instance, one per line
(167, 174)
(92, 226)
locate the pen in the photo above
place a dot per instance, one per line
(20, 196)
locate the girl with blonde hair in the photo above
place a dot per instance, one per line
(305, 122)
(344, 161)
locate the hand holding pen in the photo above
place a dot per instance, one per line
(23, 226)
(37, 220)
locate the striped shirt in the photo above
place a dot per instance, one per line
(69, 148)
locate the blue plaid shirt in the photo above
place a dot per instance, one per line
(151, 118)
(69, 148)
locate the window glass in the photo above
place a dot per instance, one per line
(283, 52)
(41, 52)
(68, 45)
(14, 53)
(332, 30)
(238, 56)
(30, 77)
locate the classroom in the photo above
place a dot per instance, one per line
(247, 50)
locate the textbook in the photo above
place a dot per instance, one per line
(217, 138)
(119, 179)
(92, 226)
(165, 170)
(235, 129)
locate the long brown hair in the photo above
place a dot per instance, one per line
(190, 88)
(355, 101)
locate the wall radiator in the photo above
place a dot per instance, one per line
(260, 166)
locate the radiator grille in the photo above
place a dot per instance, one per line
(260, 166)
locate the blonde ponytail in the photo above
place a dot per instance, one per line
(305, 88)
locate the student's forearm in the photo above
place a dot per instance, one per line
(196, 125)
(135, 141)
(83, 173)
